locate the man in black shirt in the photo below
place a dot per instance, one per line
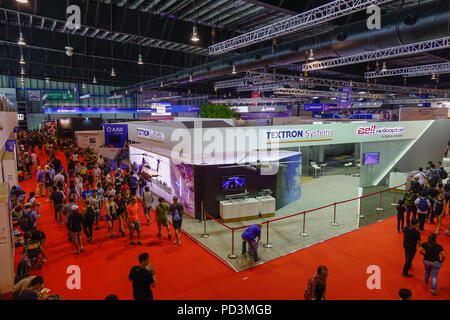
(57, 198)
(410, 243)
(176, 221)
(143, 278)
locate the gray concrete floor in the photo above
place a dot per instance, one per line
(285, 235)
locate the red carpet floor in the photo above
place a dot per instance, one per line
(189, 272)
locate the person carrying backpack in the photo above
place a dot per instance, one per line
(409, 199)
(133, 183)
(441, 172)
(27, 219)
(432, 174)
(88, 219)
(423, 207)
(176, 210)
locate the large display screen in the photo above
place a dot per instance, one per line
(232, 183)
(165, 177)
(371, 158)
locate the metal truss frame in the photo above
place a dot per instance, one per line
(254, 100)
(399, 51)
(230, 83)
(414, 101)
(308, 19)
(279, 78)
(414, 71)
(337, 94)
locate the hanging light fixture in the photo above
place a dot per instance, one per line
(74, 89)
(83, 85)
(21, 41)
(95, 80)
(190, 77)
(47, 80)
(22, 1)
(161, 85)
(311, 55)
(233, 71)
(22, 60)
(22, 81)
(22, 71)
(195, 37)
(141, 89)
(433, 77)
(351, 83)
(113, 73)
(384, 69)
(126, 92)
(140, 62)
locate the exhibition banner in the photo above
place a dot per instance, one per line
(59, 96)
(423, 113)
(115, 134)
(10, 145)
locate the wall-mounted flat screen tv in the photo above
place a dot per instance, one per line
(233, 183)
(371, 158)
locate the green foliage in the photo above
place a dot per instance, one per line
(217, 111)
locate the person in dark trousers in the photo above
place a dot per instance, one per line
(143, 278)
(423, 207)
(433, 256)
(400, 215)
(410, 242)
(409, 199)
(405, 294)
(249, 236)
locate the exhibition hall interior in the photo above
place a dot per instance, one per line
(224, 149)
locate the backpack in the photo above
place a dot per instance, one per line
(423, 205)
(176, 215)
(23, 269)
(132, 182)
(26, 222)
(433, 178)
(90, 215)
(442, 173)
(409, 198)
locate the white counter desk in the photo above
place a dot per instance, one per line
(247, 209)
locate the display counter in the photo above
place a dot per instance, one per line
(239, 209)
(266, 206)
(247, 209)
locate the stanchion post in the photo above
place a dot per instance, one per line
(267, 245)
(204, 235)
(395, 195)
(202, 208)
(304, 225)
(379, 205)
(232, 255)
(334, 223)
(360, 208)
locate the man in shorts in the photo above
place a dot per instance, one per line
(147, 200)
(133, 211)
(176, 207)
(161, 216)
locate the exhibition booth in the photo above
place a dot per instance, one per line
(213, 164)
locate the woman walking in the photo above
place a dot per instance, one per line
(438, 210)
(111, 215)
(434, 255)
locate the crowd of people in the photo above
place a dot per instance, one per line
(427, 200)
(84, 192)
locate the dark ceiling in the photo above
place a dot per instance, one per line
(160, 30)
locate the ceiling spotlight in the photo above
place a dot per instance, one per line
(22, 71)
(190, 78)
(141, 89)
(126, 92)
(95, 80)
(315, 97)
(69, 51)
(140, 62)
(161, 85)
(113, 73)
(233, 70)
(47, 80)
(22, 60)
(21, 41)
(311, 55)
(351, 83)
(195, 37)
(83, 86)
(384, 69)
(433, 77)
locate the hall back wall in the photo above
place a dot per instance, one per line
(208, 186)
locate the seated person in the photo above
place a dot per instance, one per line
(32, 291)
(36, 235)
(16, 215)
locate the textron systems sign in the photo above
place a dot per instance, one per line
(299, 135)
(150, 134)
(373, 130)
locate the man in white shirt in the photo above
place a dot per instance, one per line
(97, 174)
(100, 161)
(59, 177)
(75, 157)
(422, 176)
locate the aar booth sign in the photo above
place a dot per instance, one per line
(115, 135)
